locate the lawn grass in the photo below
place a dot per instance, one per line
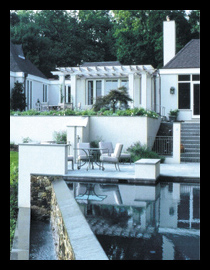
(13, 193)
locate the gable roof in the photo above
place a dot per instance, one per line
(18, 63)
(187, 57)
(92, 64)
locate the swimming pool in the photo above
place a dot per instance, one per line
(140, 222)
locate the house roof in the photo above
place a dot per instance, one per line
(91, 64)
(18, 63)
(187, 57)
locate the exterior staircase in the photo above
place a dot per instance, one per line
(190, 139)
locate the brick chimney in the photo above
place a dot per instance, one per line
(169, 40)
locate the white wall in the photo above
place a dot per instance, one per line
(168, 100)
(126, 130)
(38, 158)
(37, 128)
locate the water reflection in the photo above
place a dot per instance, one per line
(164, 219)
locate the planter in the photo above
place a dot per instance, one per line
(172, 118)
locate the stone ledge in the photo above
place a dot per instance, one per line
(147, 169)
(21, 241)
(82, 244)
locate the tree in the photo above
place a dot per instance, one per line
(53, 38)
(139, 35)
(97, 32)
(18, 101)
(112, 99)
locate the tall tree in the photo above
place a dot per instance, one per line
(63, 38)
(97, 32)
(139, 34)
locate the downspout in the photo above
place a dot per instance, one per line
(25, 76)
(160, 93)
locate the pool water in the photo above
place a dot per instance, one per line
(139, 222)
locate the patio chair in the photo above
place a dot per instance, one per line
(83, 155)
(114, 158)
(106, 148)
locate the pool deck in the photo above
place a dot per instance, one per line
(180, 172)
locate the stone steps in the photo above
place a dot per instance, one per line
(190, 139)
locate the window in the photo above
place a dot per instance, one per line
(44, 93)
(90, 92)
(184, 91)
(184, 95)
(196, 77)
(29, 94)
(68, 96)
(110, 85)
(124, 83)
(184, 78)
(98, 89)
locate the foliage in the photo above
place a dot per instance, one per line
(174, 112)
(120, 95)
(104, 111)
(68, 38)
(139, 151)
(18, 101)
(13, 193)
(60, 136)
(26, 140)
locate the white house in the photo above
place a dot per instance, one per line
(22, 70)
(180, 76)
(95, 79)
(175, 86)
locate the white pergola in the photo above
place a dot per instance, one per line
(107, 72)
(104, 71)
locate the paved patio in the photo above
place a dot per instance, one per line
(127, 171)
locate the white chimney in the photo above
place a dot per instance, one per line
(169, 40)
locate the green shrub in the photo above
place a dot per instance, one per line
(103, 112)
(13, 193)
(139, 151)
(60, 137)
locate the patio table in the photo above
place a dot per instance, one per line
(91, 153)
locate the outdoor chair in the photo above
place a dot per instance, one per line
(106, 148)
(114, 158)
(83, 155)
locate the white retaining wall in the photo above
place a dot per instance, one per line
(126, 130)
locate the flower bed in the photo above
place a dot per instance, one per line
(69, 112)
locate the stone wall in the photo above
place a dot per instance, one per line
(73, 238)
(41, 192)
(44, 206)
(63, 247)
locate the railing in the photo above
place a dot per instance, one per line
(163, 145)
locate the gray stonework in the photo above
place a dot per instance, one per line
(73, 238)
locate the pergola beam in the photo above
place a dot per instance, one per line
(105, 71)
